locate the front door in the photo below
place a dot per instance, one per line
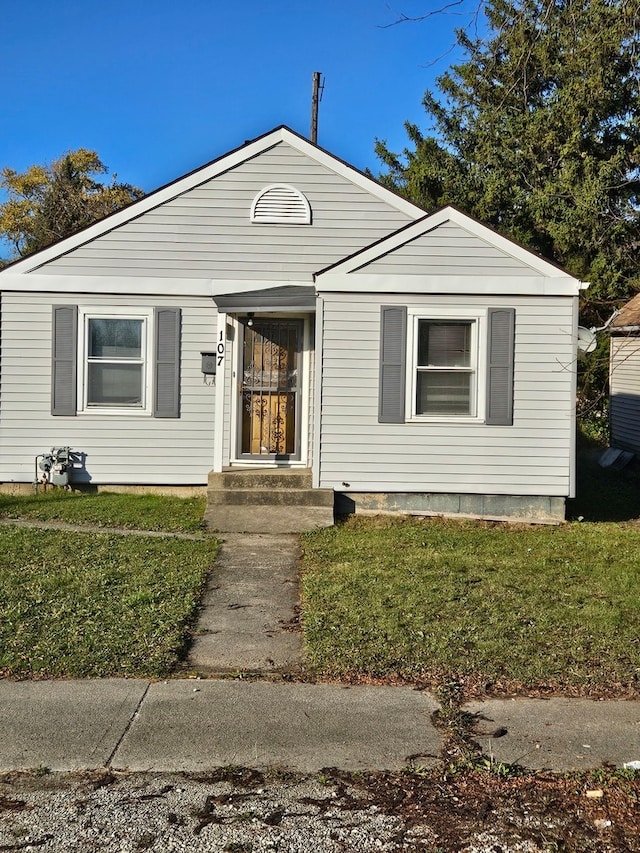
(270, 390)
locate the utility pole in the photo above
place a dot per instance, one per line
(316, 97)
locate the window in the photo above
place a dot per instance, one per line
(119, 362)
(445, 381)
(456, 366)
(115, 362)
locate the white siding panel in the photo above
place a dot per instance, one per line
(120, 449)
(625, 392)
(448, 249)
(532, 457)
(206, 232)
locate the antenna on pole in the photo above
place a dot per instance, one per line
(316, 96)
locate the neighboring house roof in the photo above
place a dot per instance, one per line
(205, 173)
(629, 317)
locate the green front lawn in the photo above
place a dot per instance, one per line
(108, 509)
(96, 604)
(441, 601)
(435, 601)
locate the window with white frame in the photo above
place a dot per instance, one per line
(115, 362)
(445, 368)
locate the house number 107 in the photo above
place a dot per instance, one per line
(220, 349)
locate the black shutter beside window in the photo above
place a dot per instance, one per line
(500, 366)
(393, 355)
(64, 352)
(166, 402)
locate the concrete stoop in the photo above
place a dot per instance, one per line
(265, 500)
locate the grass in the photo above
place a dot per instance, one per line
(440, 601)
(108, 509)
(428, 600)
(96, 604)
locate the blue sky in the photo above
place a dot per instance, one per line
(159, 88)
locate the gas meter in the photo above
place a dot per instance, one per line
(55, 467)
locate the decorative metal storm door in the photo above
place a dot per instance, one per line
(270, 390)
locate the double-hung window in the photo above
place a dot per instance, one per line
(115, 362)
(115, 358)
(445, 368)
(125, 361)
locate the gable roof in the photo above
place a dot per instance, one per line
(367, 257)
(205, 173)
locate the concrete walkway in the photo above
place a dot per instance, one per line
(560, 734)
(248, 620)
(197, 725)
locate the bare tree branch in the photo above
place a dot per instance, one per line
(403, 19)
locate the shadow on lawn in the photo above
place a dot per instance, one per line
(603, 494)
(51, 496)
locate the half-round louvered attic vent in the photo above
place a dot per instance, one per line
(281, 204)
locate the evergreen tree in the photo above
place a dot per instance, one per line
(537, 133)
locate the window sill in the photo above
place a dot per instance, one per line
(127, 413)
(444, 419)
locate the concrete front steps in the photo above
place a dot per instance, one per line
(266, 500)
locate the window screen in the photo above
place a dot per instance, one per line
(445, 371)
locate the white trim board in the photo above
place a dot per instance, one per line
(106, 285)
(503, 285)
(136, 285)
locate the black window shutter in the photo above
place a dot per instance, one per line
(393, 357)
(167, 364)
(500, 366)
(64, 354)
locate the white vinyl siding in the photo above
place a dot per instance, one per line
(207, 232)
(530, 457)
(123, 448)
(448, 249)
(625, 392)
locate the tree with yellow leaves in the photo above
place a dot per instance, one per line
(47, 203)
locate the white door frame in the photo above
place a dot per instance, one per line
(233, 398)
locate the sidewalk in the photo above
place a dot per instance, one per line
(558, 734)
(196, 725)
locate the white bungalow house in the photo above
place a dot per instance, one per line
(280, 327)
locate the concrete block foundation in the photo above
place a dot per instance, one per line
(536, 509)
